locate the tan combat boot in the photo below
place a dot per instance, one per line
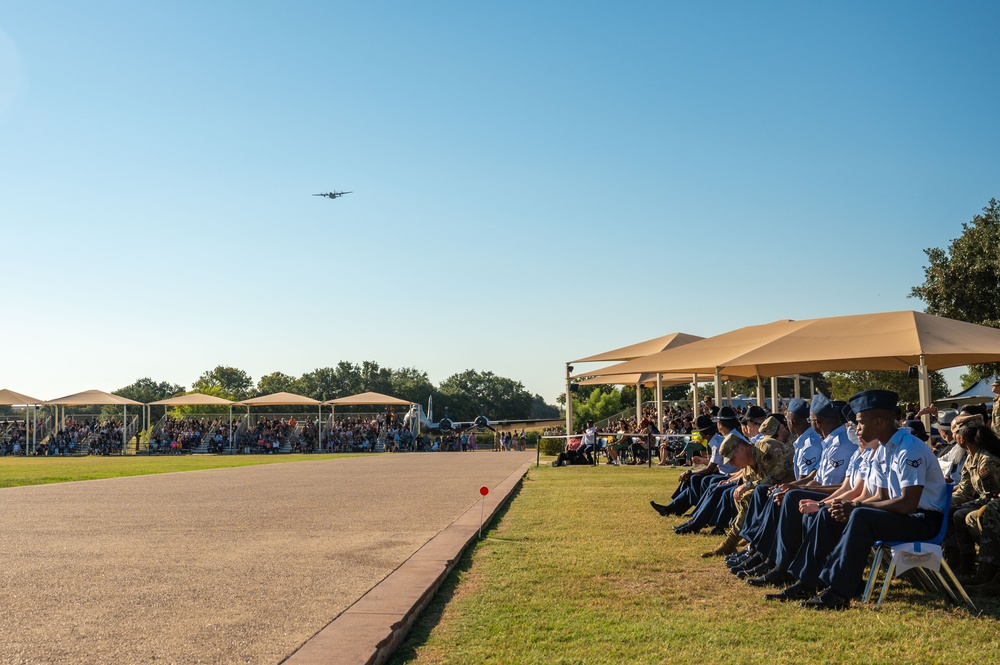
(728, 546)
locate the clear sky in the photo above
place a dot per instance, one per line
(533, 182)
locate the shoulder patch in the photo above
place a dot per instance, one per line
(915, 463)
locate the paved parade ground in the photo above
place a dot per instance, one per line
(225, 565)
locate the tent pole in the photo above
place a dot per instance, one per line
(638, 404)
(774, 394)
(798, 386)
(319, 428)
(124, 427)
(718, 388)
(925, 390)
(694, 395)
(760, 392)
(569, 403)
(230, 429)
(659, 401)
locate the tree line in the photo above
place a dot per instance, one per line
(462, 396)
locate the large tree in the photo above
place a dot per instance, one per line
(844, 384)
(235, 383)
(146, 390)
(276, 382)
(471, 393)
(963, 281)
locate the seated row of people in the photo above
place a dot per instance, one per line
(808, 494)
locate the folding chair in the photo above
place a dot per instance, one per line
(925, 556)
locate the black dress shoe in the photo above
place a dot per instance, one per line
(797, 591)
(757, 571)
(774, 577)
(663, 510)
(828, 600)
(747, 563)
(739, 556)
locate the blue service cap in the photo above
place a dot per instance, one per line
(867, 400)
(848, 413)
(799, 407)
(823, 408)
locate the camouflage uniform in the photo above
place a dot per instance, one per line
(979, 484)
(995, 417)
(772, 463)
(985, 527)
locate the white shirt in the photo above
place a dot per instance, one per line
(906, 461)
(837, 451)
(716, 456)
(808, 450)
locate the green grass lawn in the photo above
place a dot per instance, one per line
(579, 569)
(17, 471)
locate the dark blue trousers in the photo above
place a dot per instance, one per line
(755, 513)
(790, 527)
(712, 505)
(689, 492)
(848, 556)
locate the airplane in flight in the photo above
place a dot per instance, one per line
(416, 415)
(333, 195)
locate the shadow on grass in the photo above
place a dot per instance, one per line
(431, 615)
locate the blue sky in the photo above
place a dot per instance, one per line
(533, 182)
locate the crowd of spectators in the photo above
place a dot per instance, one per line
(13, 438)
(178, 436)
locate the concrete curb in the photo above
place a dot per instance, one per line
(371, 629)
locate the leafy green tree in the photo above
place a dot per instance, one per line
(471, 393)
(235, 383)
(322, 384)
(844, 384)
(963, 282)
(146, 390)
(598, 405)
(540, 409)
(411, 384)
(374, 378)
(276, 382)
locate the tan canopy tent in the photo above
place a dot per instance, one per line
(200, 399)
(883, 341)
(631, 352)
(641, 349)
(11, 398)
(193, 399)
(707, 356)
(287, 399)
(364, 399)
(96, 398)
(368, 398)
(280, 399)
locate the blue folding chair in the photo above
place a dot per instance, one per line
(925, 556)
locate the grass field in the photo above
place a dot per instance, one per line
(579, 569)
(18, 471)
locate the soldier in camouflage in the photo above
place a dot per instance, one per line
(766, 462)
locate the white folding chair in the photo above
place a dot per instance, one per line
(923, 555)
